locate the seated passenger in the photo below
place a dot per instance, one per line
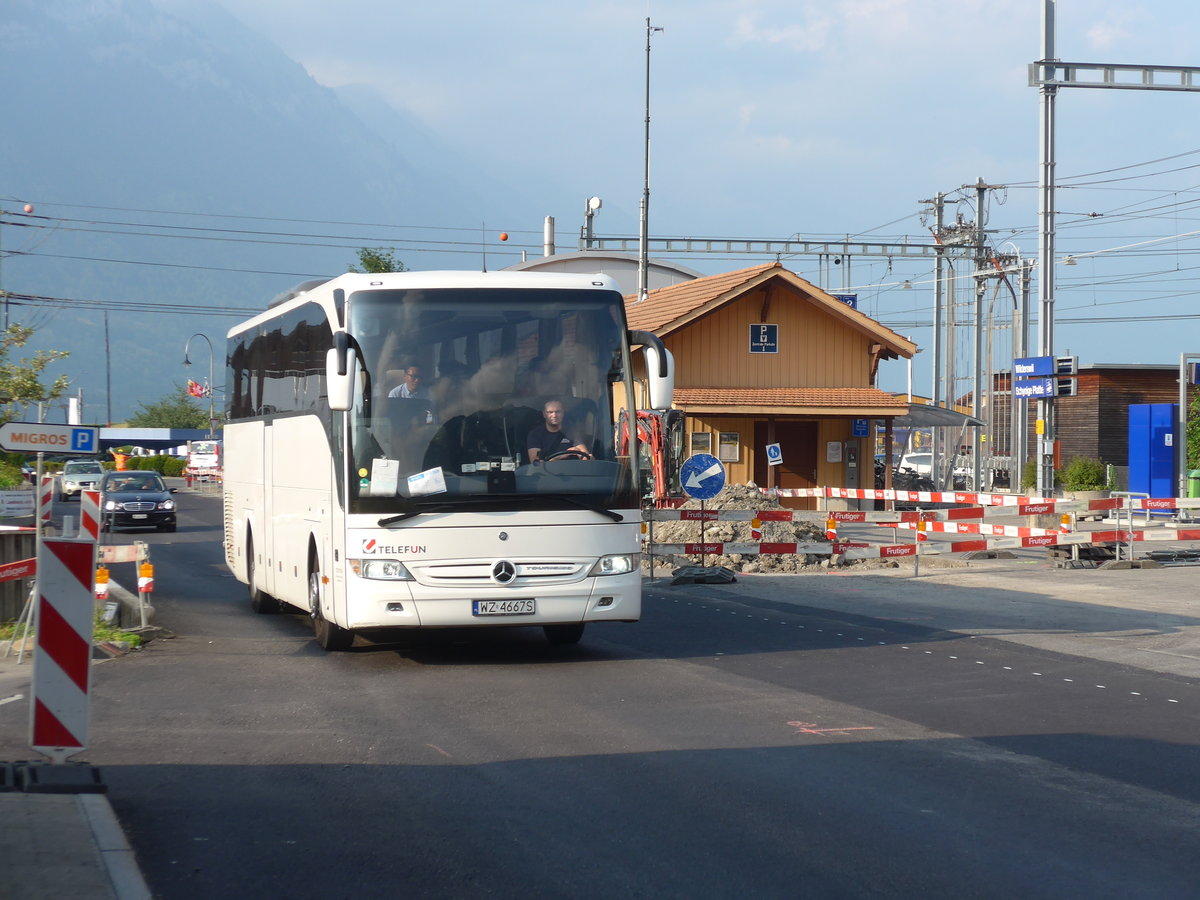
(413, 388)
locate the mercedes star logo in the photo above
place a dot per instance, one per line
(503, 571)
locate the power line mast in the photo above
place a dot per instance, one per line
(1049, 74)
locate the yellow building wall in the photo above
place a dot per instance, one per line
(815, 349)
(741, 471)
(736, 472)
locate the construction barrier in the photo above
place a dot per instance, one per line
(137, 553)
(62, 656)
(45, 499)
(965, 519)
(145, 578)
(101, 583)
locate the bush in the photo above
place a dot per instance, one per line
(1029, 476)
(167, 466)
(172, 466)
(1083, 473)
(10, 475)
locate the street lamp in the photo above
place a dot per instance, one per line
(188, 362)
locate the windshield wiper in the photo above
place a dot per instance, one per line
(450, 505)
(446, 505)
(615, 516)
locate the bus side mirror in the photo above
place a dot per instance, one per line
(339, 374)
(660, 373)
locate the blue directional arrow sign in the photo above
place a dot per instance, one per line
(703, 476)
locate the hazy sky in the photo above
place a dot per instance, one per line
(776, 117)
(769, 119)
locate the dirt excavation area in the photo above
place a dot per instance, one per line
(742, 497)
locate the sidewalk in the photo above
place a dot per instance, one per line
(1147, 618)
(59, 844)
(65, 847)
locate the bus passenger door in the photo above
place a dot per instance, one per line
(265, 533)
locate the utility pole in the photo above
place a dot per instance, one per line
(107, 372)
(1019, 445)
(1049, 74)
(1045, 405)
(981, 261)
(939, 291)
(644, 225)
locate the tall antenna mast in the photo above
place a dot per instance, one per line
(644, 231)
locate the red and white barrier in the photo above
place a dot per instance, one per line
(25, 568)
(45, 499)
(970, 519)
(89, 515)
(62, 658)
(967, 498)
(976, 528)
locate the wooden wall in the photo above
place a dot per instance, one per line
(1095, 422)
(815, 349)
(742, 471)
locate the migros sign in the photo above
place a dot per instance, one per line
(41, 438)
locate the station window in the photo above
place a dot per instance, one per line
(729, 446)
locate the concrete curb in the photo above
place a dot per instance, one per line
(115, 852)
(131, 616)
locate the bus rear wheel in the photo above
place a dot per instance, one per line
(329, 636)
(564, 634)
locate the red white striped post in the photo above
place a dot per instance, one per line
(62, 658)
(89, 515)
(45, 499)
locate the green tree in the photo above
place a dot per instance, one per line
(176, 410)
(375, 260)
(21, 382)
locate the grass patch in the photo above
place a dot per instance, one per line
(102, 631)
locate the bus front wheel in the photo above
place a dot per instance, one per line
(329, 636)
(564, 634)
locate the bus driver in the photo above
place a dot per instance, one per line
(549, 439)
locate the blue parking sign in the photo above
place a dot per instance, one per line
(764, 338)
(83, 440)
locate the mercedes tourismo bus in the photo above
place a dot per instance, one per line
(376, 466)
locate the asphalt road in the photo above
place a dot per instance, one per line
(813, 736)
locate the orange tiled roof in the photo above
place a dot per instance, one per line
(665, 305)
(673, 307)
(847, 401)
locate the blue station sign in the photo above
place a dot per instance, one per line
(1034, 367)
(1034, 387)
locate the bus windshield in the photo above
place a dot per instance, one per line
(496, 399)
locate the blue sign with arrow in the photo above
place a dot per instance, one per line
(702, 476)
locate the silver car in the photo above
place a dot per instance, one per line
(78, 475)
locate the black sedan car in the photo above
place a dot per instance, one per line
(136, 500)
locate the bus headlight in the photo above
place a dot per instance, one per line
(617, 564)
(381, 569)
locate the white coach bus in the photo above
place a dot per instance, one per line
(377, 464)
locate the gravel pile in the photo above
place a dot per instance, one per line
(742, 497)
